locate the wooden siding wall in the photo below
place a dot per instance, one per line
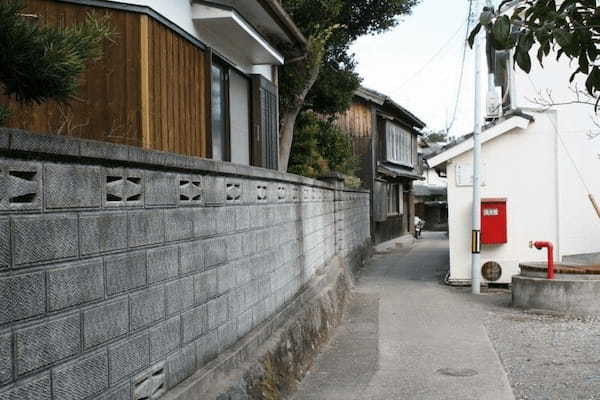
(357, 121)
(107, 106)
(177, 117)
(147, 91)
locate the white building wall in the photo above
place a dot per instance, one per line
(432, 179)
(526, 178)
(544, 197)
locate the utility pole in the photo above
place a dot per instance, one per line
(476, 224)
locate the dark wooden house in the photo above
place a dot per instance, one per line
(385, 137)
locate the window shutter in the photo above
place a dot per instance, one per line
(265, 123)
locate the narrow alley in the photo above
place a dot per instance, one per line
(407, 336)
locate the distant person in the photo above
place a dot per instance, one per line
(419, 224)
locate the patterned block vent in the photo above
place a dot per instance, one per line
(151, 385)
(234, 192)
(190, 191)
(19, 186)
(124, 190)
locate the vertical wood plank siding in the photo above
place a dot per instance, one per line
(146, 91)
(177, 93)
(357, 121)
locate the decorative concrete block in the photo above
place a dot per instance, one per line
(162, 188)
(181, 365)
(194, 323)
(205, 286)
(22, 296)
(243, 272)
(37, 388)
(6, 364)
(192, 257)
(207, 348)
(82, 378)
(105, 322)
(122, 392)
(214, 190)
(242, 218)
(249, 243)
(228, 335)
(20, 185)
(165, 338)
(123, 188)
(236, 303)
(74, 284)
(179, 224)
(146, 227)
(234, 247)
(46, 343)
(147, 307)
(72, 186)
(125, 272)
(180, 295)
(103, 150)
(244, 323)
(204, 222)
(225, 218)
(50, 144)
(226, 278)
(4, 243)
(163, 264)
(128, 357)
(150, 384)
(102, 232)
(217, 312)
(215, 252)
(44, 238)
(4, 138)
(190, 190)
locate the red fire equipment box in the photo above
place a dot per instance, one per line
(493, 221)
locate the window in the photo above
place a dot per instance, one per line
(219, 112)
(244, 117)
(239, 99)
(394, 199)
(399, 145)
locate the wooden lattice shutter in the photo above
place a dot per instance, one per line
(265, 123)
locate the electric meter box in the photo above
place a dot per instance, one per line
(493, 221)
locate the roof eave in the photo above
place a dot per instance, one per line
(276, 10)
(517, 121)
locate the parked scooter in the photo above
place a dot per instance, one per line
(419, 225)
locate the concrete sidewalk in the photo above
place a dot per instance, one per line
(406, 336)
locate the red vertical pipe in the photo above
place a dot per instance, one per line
(550, 247)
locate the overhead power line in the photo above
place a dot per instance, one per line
(437, 53)
(462, 69)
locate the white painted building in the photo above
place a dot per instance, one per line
(543, 162)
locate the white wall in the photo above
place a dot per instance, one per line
(432, 179)
(512, 171)
(521, 166)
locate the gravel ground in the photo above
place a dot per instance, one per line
(546, 356)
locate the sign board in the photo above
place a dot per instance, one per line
(464, 174)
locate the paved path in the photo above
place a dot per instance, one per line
(406, 336)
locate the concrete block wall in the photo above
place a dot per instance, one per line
(124, 271)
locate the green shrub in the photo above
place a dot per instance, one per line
(40, 63)
(319, 147)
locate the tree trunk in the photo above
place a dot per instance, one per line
(288, 120)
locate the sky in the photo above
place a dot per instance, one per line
(418, 64)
